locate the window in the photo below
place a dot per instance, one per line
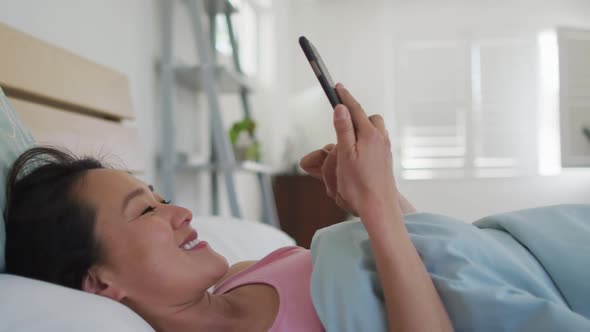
(433, 101)
(468, 108)
(574, 78)
(246, 23)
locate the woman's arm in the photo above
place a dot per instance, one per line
(411, 300)
(366, 183)
(237, 267)
(405, 205)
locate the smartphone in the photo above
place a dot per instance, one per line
(320, 70)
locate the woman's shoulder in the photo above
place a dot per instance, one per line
(241, 266)
(236, 268)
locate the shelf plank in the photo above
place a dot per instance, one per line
(220, 7)
(202, 164)
(228, 81)
(254, 167)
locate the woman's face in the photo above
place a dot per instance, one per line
(142, 239)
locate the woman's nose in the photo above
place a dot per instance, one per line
(180, 216)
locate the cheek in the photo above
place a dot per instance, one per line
(150, 264)
(154, 235)
(148, 245)
(133, 248)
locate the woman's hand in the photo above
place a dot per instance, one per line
(358, 171)
(322, 164)
(365, 166)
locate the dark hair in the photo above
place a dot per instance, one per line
(49, 230)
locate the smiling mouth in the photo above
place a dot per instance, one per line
(192, 242)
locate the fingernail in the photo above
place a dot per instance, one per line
(339, 85)
(340, 112)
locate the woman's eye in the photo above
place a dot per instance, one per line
(153, 208)
(148, 210)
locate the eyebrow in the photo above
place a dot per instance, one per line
(135, 193)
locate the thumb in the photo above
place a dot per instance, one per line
(312, 162)
(344, 128)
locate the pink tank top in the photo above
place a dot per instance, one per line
(288, 270)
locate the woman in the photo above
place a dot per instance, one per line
(76, 223)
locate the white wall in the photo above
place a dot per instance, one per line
(356, 39)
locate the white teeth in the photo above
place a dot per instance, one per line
(191, 244)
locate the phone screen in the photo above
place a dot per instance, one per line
(320, 70)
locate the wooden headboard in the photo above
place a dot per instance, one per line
(69, 101)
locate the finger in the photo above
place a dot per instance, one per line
(379, 123)
(359, 117)
(313, 161)
(315, 158)
(329, 173)
(344, 129)
(328, 147)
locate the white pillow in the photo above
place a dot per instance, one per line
(28, 305)
(240, 240)
(31, 305)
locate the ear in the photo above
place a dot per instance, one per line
(95, 283)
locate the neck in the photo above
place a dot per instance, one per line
(207, 313)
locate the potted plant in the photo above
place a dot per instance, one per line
(243, 141)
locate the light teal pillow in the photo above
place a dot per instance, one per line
(14, 140)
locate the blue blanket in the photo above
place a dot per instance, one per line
(521, 271)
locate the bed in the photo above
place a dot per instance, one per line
(51, 96)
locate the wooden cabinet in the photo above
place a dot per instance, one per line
(304, 207)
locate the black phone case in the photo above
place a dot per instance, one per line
(320, 70)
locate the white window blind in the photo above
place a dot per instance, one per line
(574, 97)
(466, 108)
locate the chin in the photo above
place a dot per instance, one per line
(224, 264)
(219, 256)
(218, 263)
